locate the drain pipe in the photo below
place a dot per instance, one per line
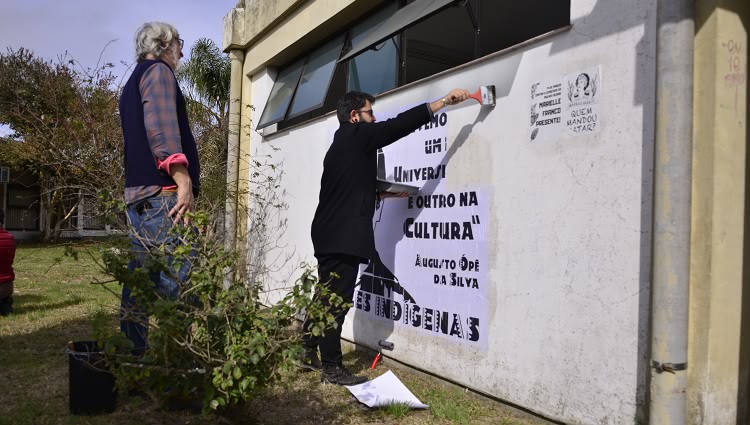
(671, 230)
(233, 147)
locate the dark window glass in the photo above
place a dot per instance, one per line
(281, 94)
(454, 33)
(375, 70)
(22, 209)
(407, 16)
(335, 91)
(316, 77)
(440, 42)
(507, 23)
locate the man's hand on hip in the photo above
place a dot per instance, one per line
(185, 201)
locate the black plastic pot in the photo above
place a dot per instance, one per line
(91, 385)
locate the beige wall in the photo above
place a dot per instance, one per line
(251, 18)
(540, 345)
(718, 364)
(272, 32)
(266, 34)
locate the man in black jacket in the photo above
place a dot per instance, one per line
(342, 231)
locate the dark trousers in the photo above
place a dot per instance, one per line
(346, 267)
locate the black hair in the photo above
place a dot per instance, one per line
(352, 101)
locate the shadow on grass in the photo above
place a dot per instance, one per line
(300, 406)
(34, 374)
(34, 370)
(27, 303)
(301, 399)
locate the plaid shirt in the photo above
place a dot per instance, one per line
(158, 89)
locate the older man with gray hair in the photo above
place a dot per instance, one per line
(161, 164)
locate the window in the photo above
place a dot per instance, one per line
(412, 13)
(316, 77)
(442, 41)
(22, 212)
(403, 42)
(375, 70)
(303, 84)
(281, 94)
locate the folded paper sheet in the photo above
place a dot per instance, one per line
(384, 390)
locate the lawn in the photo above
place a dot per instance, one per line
(55, 302)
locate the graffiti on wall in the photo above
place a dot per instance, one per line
(735, 78)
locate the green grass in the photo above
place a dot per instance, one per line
(55, 302)
(397, 410)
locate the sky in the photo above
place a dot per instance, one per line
(82, 28)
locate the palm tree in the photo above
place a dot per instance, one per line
(206, 74)
(204, 78)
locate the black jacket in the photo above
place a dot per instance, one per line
(343, 220)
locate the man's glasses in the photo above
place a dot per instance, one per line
(366, 111)
(182, 42)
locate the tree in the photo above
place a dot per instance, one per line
(204, 78)
(207, 73)
(66, 130)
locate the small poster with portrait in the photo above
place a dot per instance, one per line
(581, 97)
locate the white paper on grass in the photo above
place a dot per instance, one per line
(384, 390)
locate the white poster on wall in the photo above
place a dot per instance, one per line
(431, 277)
(565, 106)
(545, 112)
(582, 111)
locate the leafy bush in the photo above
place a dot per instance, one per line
(216, 339)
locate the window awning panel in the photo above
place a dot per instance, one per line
(316, 77)
(281, 94)
(402, 19)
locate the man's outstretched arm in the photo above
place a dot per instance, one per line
(384, 133)
(455, 96)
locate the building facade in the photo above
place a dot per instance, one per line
(576, 249)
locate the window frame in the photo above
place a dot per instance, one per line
(401, 42)
(261, 124)
(343, 39)
(376, 38)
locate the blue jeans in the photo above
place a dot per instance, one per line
(149, 230)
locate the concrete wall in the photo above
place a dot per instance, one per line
(719, 357)
(569, 238)
(277, 31)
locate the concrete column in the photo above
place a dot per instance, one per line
(244, 170)
(671, 251)
(718, 357)
(235, 104)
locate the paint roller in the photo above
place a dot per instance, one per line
(384, 345)
(485, 95)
